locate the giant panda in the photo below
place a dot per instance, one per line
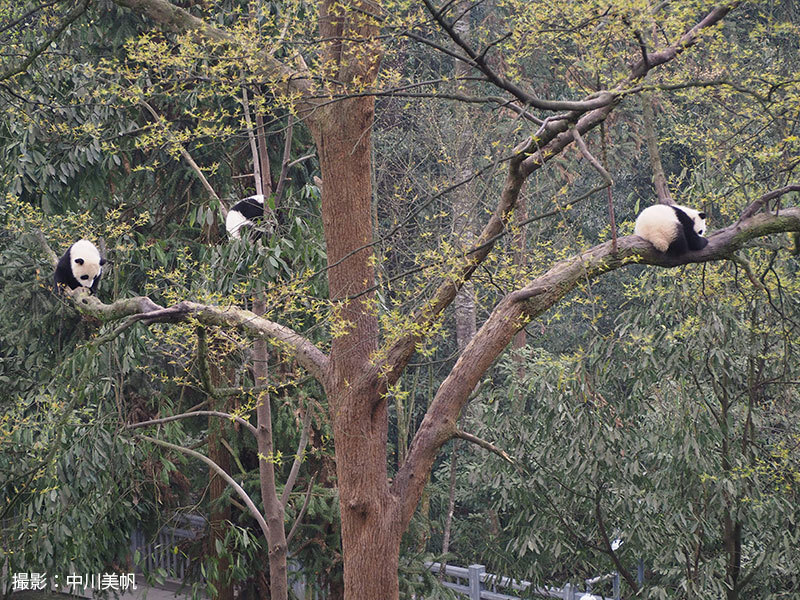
(81, 265)
(672, 229)
(242, 215)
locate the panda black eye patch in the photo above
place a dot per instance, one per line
(84, 277)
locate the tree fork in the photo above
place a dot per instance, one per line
(518, 308)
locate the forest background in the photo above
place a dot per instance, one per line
(447, 345)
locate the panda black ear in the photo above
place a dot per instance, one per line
(701, 215)
(102, 261)
(79, 261)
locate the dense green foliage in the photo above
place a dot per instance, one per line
(680, 419)
(660, 408)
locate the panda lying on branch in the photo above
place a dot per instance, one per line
(672, 229)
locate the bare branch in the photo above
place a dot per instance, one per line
(221, 472)
(688, 39)
(185, 154)
(253, 145)
(748, 269)
(608, 549)
(483, 444)
(144, 309)
(298, 458)
(588, 156)
(302, 512)
(287, 153)
(478, 61)
(199, 413)
(766, 198)
(23, 17)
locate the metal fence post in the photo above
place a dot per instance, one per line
(616, 586)
(475, 572)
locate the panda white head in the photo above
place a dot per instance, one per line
(85, 262)
(698, 219)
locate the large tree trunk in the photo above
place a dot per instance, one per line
(370, 531)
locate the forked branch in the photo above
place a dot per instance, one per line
(518, 308)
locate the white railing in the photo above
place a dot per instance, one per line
(475, 583)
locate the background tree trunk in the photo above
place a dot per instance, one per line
(464, 209)
(220, 513)
(649, 131)
(273, 509)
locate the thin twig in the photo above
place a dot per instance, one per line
(298, 458)
(748, 269)
(302, 510)
(206, 413)
(68, 20)
(287, 152)
(186, 156)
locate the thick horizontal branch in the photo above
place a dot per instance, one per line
(144, 309)
(518, 308)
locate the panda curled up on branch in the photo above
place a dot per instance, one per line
(672, 229)
(81, 266)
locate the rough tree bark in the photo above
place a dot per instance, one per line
(357, 410)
